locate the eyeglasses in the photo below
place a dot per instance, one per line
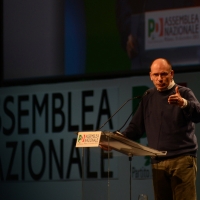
(162, 75)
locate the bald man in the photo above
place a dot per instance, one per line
(168, 114)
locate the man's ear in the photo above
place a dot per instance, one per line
(172, 73)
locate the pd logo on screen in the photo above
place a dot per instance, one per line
(155, 27)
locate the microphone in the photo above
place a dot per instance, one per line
(136, 97)
(118, 131)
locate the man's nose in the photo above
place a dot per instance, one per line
(160, 76)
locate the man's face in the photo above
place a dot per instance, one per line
(161, 74)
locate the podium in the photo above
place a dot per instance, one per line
(126, 146)
(117, 142)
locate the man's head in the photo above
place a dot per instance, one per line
(161, 73)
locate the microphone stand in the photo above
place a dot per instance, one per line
(137, 97)
(118, 131)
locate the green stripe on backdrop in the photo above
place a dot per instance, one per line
(104, 52)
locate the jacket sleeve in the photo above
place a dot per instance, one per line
(192, 110)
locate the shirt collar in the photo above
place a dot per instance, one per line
(171, 85)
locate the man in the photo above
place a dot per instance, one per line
(167, 114)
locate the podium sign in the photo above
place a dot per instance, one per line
(88, 139)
